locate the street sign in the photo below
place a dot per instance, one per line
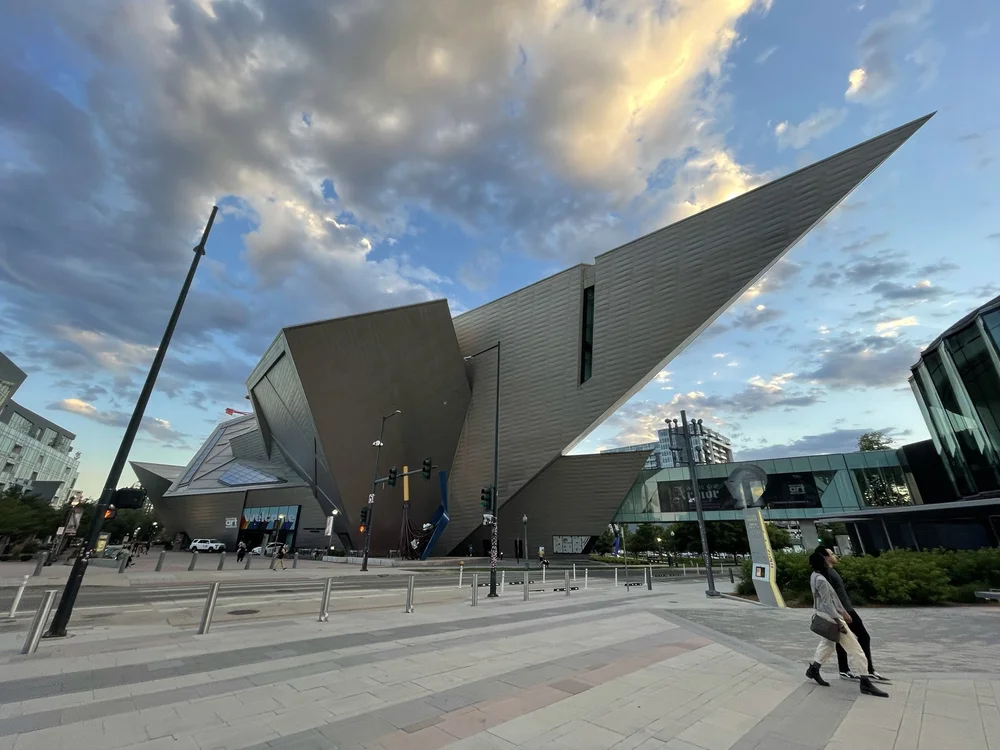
(329, 525)
(102, 542)
(60, 531)
(371, 498)
(73, 523)
(231, 523)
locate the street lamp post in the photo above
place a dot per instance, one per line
(496, 471)
(371, 497)
(61, 618)
(693, 472)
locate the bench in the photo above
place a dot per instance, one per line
(991, 595)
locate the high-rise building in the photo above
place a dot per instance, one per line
(36, 455)
(710, 447)
(11, 377)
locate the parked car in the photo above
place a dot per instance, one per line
(270, 549)
(207, 545)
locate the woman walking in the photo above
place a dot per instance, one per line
(830, 623)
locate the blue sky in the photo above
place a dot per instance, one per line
(370, 154)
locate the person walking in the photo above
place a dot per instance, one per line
(280, 557)
(854, 622)
(241, 551)
(830, 623)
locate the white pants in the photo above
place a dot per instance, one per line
(849, 642)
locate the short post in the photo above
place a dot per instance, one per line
(475, 589)
(159, 563)
(461, 569)
(543, 574)
(222, 559)
(324, 607)
(249, 558)
(194, 560)
(645, 575)
(732, 579)
(525, 585)
(38, 624)
(616, 577)
(649, 581)
(42, 557)
(574, 572)
(586, 583)
(17, 598)
(206, 615)
(274, 557)
(503, 578)
(295, 561)
(123, 563)
(409, 594)
(566, 578)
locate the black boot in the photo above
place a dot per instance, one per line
(868, 689)
(813, 674)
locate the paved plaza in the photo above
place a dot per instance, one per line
(603, 668)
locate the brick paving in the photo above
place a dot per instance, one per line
(603, 668)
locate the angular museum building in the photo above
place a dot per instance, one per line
(569, 349)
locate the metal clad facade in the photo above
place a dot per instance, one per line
(652, 297)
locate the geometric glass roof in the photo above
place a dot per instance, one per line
(238, 475)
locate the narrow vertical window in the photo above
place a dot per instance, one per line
(587, 337)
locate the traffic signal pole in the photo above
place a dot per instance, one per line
(72, 589)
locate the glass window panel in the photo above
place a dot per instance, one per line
(239, 475)
(976, 369)
(801, 464)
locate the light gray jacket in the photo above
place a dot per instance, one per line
(825, 599)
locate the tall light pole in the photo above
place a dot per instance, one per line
(693, 472)
(496, 471)
(61, 618)
(371, 497)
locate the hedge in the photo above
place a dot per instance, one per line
(897, 577)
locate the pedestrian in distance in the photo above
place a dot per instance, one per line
(241, 551)
(854, 622)
(280, 557)
(830, 624)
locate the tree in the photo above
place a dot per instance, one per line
(24, 516)
(780, 538)
(605, 543)
(644, 539)
(876, 440)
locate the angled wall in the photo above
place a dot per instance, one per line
(651, 298)
(348, 374)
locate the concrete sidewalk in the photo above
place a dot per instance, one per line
(599, 669)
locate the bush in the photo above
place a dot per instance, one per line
(898, 577)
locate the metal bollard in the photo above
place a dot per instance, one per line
(616, 577)
(645, 576)
(222, 559)
(503, 577)
(574, 572)
(295, 561)
(194, 560)
(461, 568)
(42, 557)
(543, 574)
(586, 582)
(124, 561)
(732, 579)
(324, 607)
(17, 598)
(38, 624)
(566, 576)
(649, 581)
(159, 563)
(274, 557)
(475, 589)
(206, 615)
(409, 594)
(525, 586)
(249, 558)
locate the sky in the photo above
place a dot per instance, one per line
(372, 154)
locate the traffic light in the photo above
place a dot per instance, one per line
(130, 497)
(110, 513)
(364, 518)
(486, 498)
(392, 477)
(425, 469)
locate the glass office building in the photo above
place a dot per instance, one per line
(806, 487)
(957, 385)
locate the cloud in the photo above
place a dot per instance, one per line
(326, 132)
(927, 58)
(845, 362)
(159, 429)
(866, 241)
(480, 271)
(814, 126)
(752, 318)
(941, 266)
(889, 326)
(920, 292)
(764, 56)
(869, 268)
(877, 72)
(779, 277)
(835, 441)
